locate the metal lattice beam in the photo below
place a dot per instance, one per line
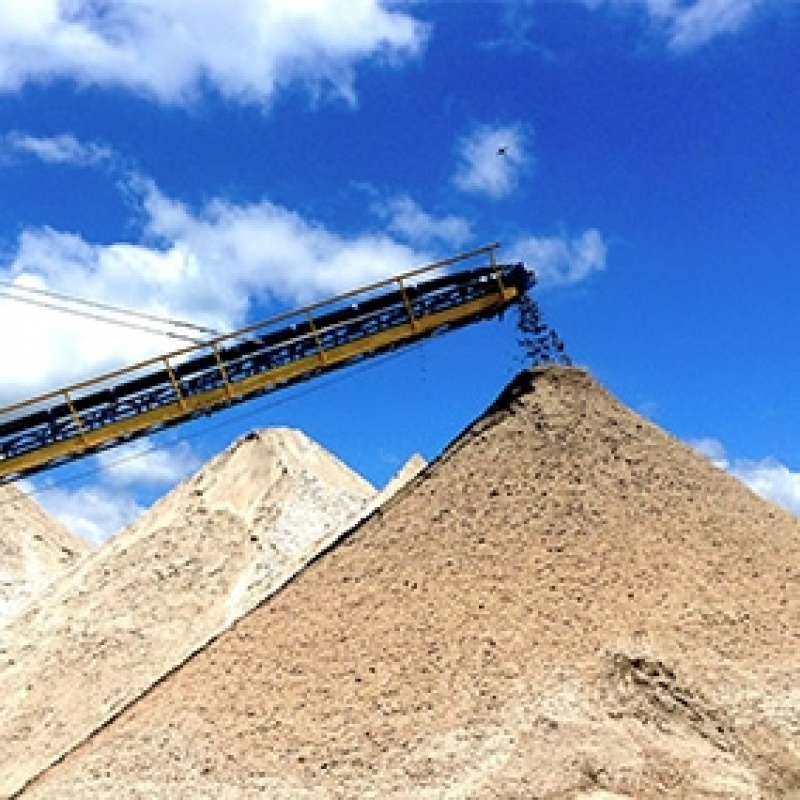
(80, 419)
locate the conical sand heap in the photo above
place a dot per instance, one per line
(137, 607)
(569, 603)
(34, 551)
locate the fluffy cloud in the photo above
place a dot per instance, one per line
(93, 512)
(142, 464)
(691, 23)
(205, 265)
(694, 24)
(772, 480)
(768, 478)
(265, 249)
(409, 221)
(491, 159)
(561, 261)
(101, 509)
(63, 149)
(167, 49)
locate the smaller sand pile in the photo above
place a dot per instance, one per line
(135, 609)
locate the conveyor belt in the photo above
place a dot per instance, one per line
(86, 417)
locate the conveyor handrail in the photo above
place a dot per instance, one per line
(168, 389)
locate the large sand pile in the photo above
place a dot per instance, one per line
(34, 551)
(131, 611)
(569, 603)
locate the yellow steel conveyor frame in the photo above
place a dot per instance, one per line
(79, 419)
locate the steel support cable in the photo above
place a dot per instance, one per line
(103, 307)
(98, 317)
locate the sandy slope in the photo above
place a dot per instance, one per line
(569, 603)
(131, 611)
(34, 550)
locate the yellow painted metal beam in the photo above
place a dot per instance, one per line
(396, 282)
(187, 406)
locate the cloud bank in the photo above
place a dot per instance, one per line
(207, 265)
(212, 266)
(170, 49)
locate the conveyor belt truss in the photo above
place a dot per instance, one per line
(83, 418)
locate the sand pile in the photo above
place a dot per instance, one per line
(569, 603)
(131, 611)
(34, 551)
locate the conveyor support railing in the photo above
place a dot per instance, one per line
(116, 407)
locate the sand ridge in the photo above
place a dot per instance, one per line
(568, 603)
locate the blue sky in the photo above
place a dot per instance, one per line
(221, 162)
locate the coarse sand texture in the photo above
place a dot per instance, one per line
(568, 603)
(140, 605)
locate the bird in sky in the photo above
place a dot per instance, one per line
(502, 151)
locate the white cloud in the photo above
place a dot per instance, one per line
(772, 480)
(560, 261)
(768, 477)
(63, 149)
(94, 513)
(713, 450)
(265, 249)
(168, 49)
(491, 159)
(206, 266)
(99, 510)
(691, 23)
(142, 464)
(406, 219)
